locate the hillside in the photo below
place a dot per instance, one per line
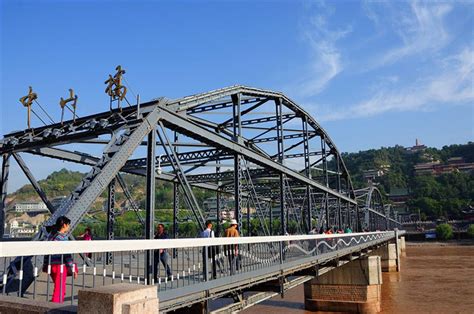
(435, 196)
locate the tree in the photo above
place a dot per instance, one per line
(444, 231)
(470, 231)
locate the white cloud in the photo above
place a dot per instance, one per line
(420, 27)
(326, 61)
(451, 85)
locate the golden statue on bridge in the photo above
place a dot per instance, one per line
(114, 88)
(63, 103)
(27, 101)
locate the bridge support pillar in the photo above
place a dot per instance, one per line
(389, 256)
(354, 287)
(403, 247)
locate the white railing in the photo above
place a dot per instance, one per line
(27, 248)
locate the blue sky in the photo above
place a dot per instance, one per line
(372, 73)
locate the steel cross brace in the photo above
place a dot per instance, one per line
(33, 182)
(183, 181)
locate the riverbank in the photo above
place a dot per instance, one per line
(461, 242)
(435, 277)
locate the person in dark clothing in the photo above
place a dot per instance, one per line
(161, 255)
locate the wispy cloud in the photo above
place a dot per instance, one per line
(420, 27)
(326, 60)
(452, 85)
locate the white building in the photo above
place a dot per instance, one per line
(25, 207)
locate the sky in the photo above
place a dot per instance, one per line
(372, 73)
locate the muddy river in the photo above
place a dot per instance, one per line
(434, 278)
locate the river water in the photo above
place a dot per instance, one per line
(434, 278)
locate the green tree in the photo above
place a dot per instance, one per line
(470, 231)
(444, 231)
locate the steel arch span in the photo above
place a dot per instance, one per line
(374, 213)
(263, 156)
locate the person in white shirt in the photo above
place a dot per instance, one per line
(212, 251)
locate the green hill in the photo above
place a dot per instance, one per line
(435, 196)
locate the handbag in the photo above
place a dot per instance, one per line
(72, 270)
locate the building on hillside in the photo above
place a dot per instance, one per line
(417, 148)
(454, 164)
(372, 174)
(27, 207)
(468, 213)
(399, 197)
(16, 229)
(426, 168)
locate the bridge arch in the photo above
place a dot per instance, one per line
(375, 214)
(263, 155)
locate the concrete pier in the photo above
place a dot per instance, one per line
(403, 248)
(119, 299)
(354, 287)
(389, 256)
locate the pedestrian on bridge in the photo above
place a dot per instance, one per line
(212, 251)
(62, 265)
(161, 254)
(87, 236)
(232, 251)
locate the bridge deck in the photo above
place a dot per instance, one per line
(241, 264)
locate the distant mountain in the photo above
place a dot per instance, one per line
(58, 183)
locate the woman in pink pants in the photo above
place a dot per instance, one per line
(60, 263)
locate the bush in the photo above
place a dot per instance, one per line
(444, 231)
(470, 231)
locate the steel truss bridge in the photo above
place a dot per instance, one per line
(255, 147)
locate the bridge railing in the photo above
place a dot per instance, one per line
(191, 262)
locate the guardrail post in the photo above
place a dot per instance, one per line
(281, 252)
(205, 263)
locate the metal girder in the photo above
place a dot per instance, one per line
(110, 217)
(270, 129)
(3, 191)
(83, 128)
(309, 219)
(275, 138)
(128, 195)
(150, 199)
(304, 134)
(175, 195)
(64, 155)
(33, 182)
(220, 105)
(177, 122)
(225, 176)
(280, 157)
(244, 112)
(237, 132)
(114, 157)
(264, 119)
(184, 158)
(181, 176)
